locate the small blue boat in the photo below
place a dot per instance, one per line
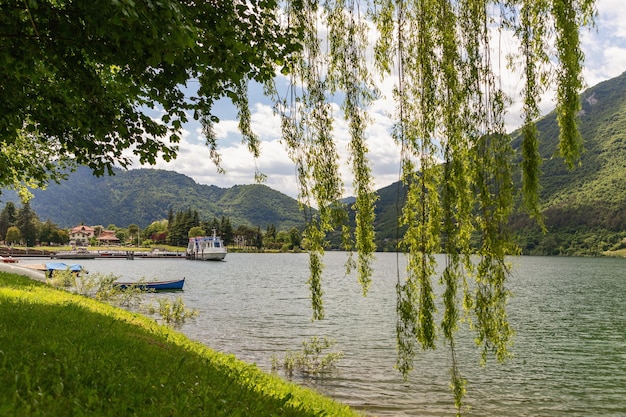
(172, 285)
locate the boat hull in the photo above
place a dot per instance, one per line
(172, 285)
(211, 256)
(60, 266)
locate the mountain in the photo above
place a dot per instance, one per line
(584, 209)
(141, 196)
(601, 177)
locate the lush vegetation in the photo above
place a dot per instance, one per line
(169, 234)
(76, 77)
(314, 358)
(22, 226)
(143, 196)
(66, 354)
(584, 208)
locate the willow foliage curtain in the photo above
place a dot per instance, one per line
(445, 58)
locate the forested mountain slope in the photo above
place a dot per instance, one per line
(599, 183)
(141, 196)
(584, 209)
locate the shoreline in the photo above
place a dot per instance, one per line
(13, 268)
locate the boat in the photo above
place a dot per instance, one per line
(9, 260)
(159, 254)
(206, 248)
(50, 267)
(176, 284)
(80, 253)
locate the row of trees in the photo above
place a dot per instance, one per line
(22, 226)
(185, 224)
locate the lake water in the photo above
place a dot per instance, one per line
(569, 315)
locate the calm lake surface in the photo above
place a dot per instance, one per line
(569, 315)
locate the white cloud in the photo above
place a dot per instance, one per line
(604, 45)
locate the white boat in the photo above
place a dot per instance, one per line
(206, 248)
(80, 253)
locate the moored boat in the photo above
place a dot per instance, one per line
(176, 284)
(206, 248)
(51, 267)
(79, 253)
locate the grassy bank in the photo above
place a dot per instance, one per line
(64, 354)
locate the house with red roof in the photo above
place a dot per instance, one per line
(107, 237)
(80, 235)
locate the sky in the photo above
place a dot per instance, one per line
(605, 57)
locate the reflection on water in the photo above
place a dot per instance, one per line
(569, 315)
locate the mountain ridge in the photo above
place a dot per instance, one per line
(144, 195)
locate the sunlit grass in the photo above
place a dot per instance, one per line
(65, 354)
(616, 253)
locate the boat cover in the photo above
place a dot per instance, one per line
(61, 266)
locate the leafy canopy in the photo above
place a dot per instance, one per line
(77, 76)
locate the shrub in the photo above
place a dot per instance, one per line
(311, 360)
(175, 311)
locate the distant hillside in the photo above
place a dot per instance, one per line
(601, 178)
(141, 196)
(584, 209)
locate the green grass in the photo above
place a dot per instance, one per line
(64, 354)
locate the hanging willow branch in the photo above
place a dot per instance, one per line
(456, 157)
(532, 32)
(348, 73)
(568, 15)
(308, 126)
